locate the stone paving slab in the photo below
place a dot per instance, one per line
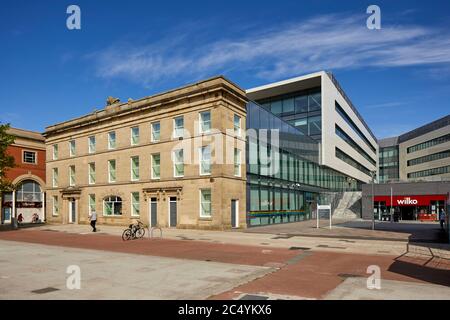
(356, 288)
(35, 271)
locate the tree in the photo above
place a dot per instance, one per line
(6, 160)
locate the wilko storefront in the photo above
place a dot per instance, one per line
(422, 201)
(410, 207)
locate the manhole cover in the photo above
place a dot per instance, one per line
(253, 297)
(45, 290)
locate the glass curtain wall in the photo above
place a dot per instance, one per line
(284, 179)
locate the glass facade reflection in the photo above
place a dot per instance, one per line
(301, 109)
(284, 178)
(388, 164)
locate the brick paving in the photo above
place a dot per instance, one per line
(298, 273)
(320, 272)
(184, 249)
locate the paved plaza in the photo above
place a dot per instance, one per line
(197, 264)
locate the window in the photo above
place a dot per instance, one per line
(205, 203)
(29, 191)
(315, 125)
(72, 148)
(112, 206)
(178, 163)
(346, 158)
(344, 136)
(91, 173)
(429, 143)
(178, 127)
(91, 203)
(276, 107)
(91, 141)
(135, 204)
(134, 136)
(205, 160)
(237, 125)
(134, 168)
(429, 172)
(112, 171)
(29, 157)
(55, 177)
(355, 128)
(55, 152)
(112, 140)
(288, 106)
(237, 162)
(55, 206)
(205, 121)
(430, 157)
(156, 166)
(71, 176)
(156, 132)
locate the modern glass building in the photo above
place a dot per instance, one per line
(285, 180)
(388, 160)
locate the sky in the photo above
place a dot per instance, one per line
(398, 77)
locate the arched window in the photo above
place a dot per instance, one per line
(29, 191)
(112, 206)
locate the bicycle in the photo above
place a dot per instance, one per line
(134, 231)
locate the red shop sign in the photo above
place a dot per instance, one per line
(421, 200)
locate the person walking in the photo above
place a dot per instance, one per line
(93, 219)
(442, 218)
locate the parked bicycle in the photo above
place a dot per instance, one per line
(135, 231)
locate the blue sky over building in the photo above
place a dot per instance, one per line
(398, 77)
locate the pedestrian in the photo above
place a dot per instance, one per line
(93, 219)
(442, 218)
(20, 218)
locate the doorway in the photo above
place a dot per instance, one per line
(153, 212)
(172, 211)
(234, 213)
(72, 211)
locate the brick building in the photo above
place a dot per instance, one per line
(28, 176)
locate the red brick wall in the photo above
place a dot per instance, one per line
(23, 168)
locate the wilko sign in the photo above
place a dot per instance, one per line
(407, 201)
(420, 200)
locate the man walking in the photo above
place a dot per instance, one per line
(442, 218)
(93, 219)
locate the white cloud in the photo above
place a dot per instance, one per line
(324, 42)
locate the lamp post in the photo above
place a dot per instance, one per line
(373, 174)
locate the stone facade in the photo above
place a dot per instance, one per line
(222, 98)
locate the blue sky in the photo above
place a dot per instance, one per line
(398, 77)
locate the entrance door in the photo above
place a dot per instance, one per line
(172, 212)
(153, 212)
(72, 211)
(235, 213)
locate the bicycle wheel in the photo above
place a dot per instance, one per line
(127, 235)
(140, 233)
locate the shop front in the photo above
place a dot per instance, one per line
(409, 207)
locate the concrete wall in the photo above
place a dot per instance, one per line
(404, 156)
(330, 140)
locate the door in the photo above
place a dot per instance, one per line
(153, 212)
(72, 211)
(235, 213)
(172, 212)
